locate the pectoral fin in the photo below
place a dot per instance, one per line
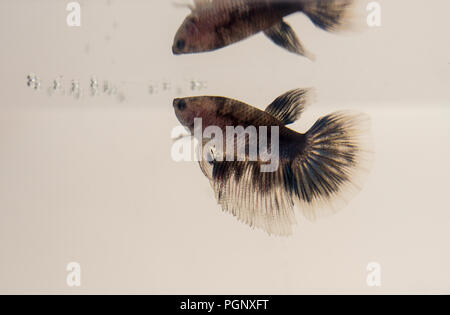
(289, 106)
(283, 35)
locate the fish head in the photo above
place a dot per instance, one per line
(194, 35)
(189, 108)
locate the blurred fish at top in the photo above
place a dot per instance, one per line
(214, 24)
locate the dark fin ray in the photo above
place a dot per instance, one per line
(254, 198)
(284, 36)
(329, 15)
(325, 172)
(289, 106)
(337, 153)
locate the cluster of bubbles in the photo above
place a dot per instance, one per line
(155, 88)
(165, 86)
(198, 85)
(73, 88)
(33, 82)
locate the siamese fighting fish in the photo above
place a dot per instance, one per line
(214, 24)
(309, 171)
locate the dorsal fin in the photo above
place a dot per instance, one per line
(289, 106)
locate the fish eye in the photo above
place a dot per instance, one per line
(181, 105)
(181, 44)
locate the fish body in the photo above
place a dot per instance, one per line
(223, 112)
(313, 168)
(214, 24)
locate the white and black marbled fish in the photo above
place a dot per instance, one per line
(315, 169)
(214, 24)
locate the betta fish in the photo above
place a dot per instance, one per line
(313, 170)
(214, 24)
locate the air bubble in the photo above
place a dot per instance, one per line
(75, 89)
(93, 86)
(33, 81)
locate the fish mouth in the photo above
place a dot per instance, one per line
(175, 51)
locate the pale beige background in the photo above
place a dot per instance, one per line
(92, 180)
